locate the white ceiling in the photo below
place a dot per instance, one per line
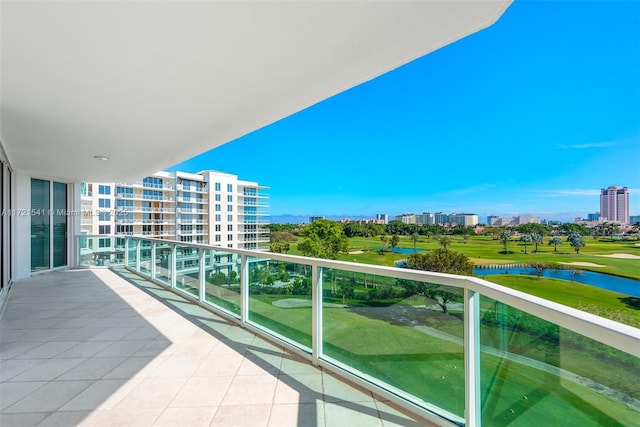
(152, 83)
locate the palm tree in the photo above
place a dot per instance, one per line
(537, 239)
(555, 241)
(414, 237)
(526, 239)
(577, 241)
(504, 239)
(445, 242)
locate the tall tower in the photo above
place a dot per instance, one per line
(614, 204)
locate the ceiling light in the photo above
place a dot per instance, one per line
(105, 158)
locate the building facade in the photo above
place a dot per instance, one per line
(593, 217)
(208, 207)
(407, 218)
(497, 221)
(614, 204)
(382, 218)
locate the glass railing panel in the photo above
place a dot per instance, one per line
(131, 253)
(145, 257)
(534, 372)
(101, 251)
(163, 262)
(405, 334)
(188, 270)
(280, 298)
(222, 273)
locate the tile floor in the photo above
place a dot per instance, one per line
(96, 348)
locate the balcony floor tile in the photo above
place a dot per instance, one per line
(104, 348)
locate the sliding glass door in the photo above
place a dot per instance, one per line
(48, 224)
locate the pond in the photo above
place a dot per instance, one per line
(604, 281)
(401, 250)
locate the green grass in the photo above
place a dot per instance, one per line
(483, 250)
(575, 295)
(432, 368)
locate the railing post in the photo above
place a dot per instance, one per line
(244, 289)
(172, 263)
(153, 260)
(201, 270)
(138, 244)
(472, 358)
(126, 251)
(316, 304)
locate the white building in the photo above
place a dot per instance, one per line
(208, 207)
(466, 220)
(463, 219)
(512, 221)
(407, 218)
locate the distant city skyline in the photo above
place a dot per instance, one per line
(532, 116)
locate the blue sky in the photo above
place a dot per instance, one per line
(530, 116)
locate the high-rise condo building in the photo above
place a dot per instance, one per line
(614, 204)
(382, 218)
(208, 207)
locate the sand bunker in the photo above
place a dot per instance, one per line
(623, 256)
(583, 264)
(356, 252)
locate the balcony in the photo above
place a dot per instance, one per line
(451, 349)
(101, 347)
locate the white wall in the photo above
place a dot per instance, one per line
(21, 245)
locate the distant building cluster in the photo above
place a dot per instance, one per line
(511, 221)
(363, 221)
(427, 218)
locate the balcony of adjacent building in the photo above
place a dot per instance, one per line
(201, 189)
(247, 202)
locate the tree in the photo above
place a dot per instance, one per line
(577, 241)
(537, 239)
(526, 239)
(279, 247)
(325, 239)
(635, 228)
(396, 227)
(504, 239)
(393, 242)
(555, 241)
(384, 239)
(540, 267)
(441, 260)
(533, 228)
(352, 229)
(445, 242)
(414, 238)
(282, 236)
(573, 228)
